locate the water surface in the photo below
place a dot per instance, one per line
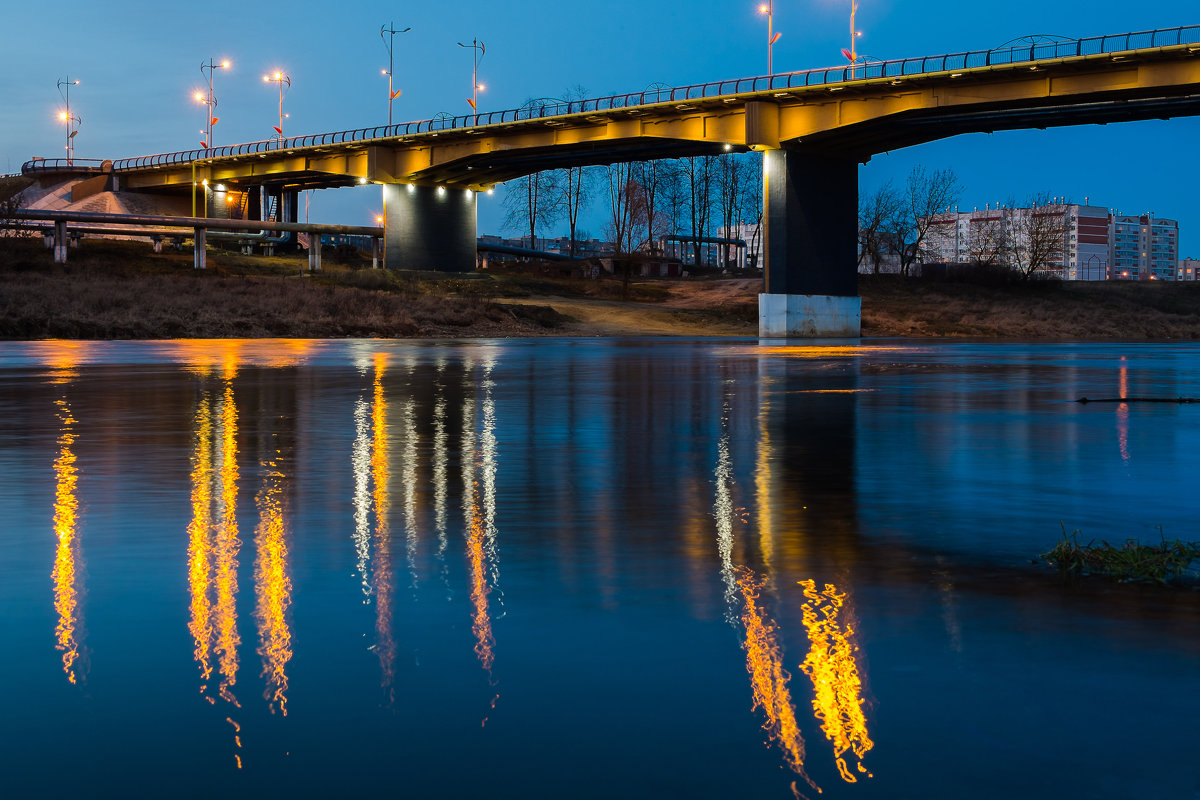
(591, 569)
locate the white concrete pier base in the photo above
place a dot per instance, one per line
(809, 316)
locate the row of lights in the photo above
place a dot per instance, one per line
(388, 33)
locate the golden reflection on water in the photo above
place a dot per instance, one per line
(273, 588)
(479, 497)
(830, 663)
(833, 670)
(227, 546)
(743, 588)
(67, 561)
(768, 677)
(384, 581)
(199, 541)
(213, 542)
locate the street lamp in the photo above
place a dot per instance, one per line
(390, 29)
(282, 80)
(852, 53)
(768, 8)
(72, 122)
(476, 86)
(211, 101)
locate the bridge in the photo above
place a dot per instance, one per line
(814, 127)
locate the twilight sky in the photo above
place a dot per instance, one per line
(138, 66)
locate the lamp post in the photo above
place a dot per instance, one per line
(72, 122)
(476, 86)
(390, 30)
(768, 8)
(852, 52)
(282, 80)
(210, 102)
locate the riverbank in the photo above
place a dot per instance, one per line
(119, 290)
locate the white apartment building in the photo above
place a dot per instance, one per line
(1097, 244)
(1188, 270)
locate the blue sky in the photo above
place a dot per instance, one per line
(138, 66)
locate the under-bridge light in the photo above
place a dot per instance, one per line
(362, 181)
(441, 190)
(411, 188)
(220, 187)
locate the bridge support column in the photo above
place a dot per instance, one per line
(60, 242)
(200, 248)
(314, 252)
(427, 228)
(811, 235)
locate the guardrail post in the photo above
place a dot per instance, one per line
(314, 252)
(60, 241)
(200, 243)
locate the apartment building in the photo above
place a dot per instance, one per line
(1143, 247)
(1096, 244)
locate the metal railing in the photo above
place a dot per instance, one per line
(902, 68)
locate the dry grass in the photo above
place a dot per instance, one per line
(112, 290)
(893, 306)
(122, 290)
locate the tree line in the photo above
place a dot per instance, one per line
(640, 202)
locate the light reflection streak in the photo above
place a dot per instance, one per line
(768, 677)
(213, 542)
(409, 479)
(723, 514)
(227, 545)
(199, 543)
(440, 484)
(488, 465)
(360, 459)
(384, 581)
(67, 561)
(837, 688)
(764, 656)
(1123, 413)
(273, 588)
(478, 476)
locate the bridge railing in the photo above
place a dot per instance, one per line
(1032, 51)
(63, 165)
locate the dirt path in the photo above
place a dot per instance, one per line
(611, 318)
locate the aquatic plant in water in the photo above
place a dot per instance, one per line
(1166, 562)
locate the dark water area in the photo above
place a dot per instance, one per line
(646, 568)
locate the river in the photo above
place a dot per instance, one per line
(592, 568)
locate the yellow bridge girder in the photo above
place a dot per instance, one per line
(859, 118)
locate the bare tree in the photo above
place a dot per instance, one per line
(652, 177)
(1039, 235)
(989, 240)
(752, 204)
(529, 203)
(730, 177)
(623, 200)
(925, 195)
(698, 176)
(575, 187)
(877, 213)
